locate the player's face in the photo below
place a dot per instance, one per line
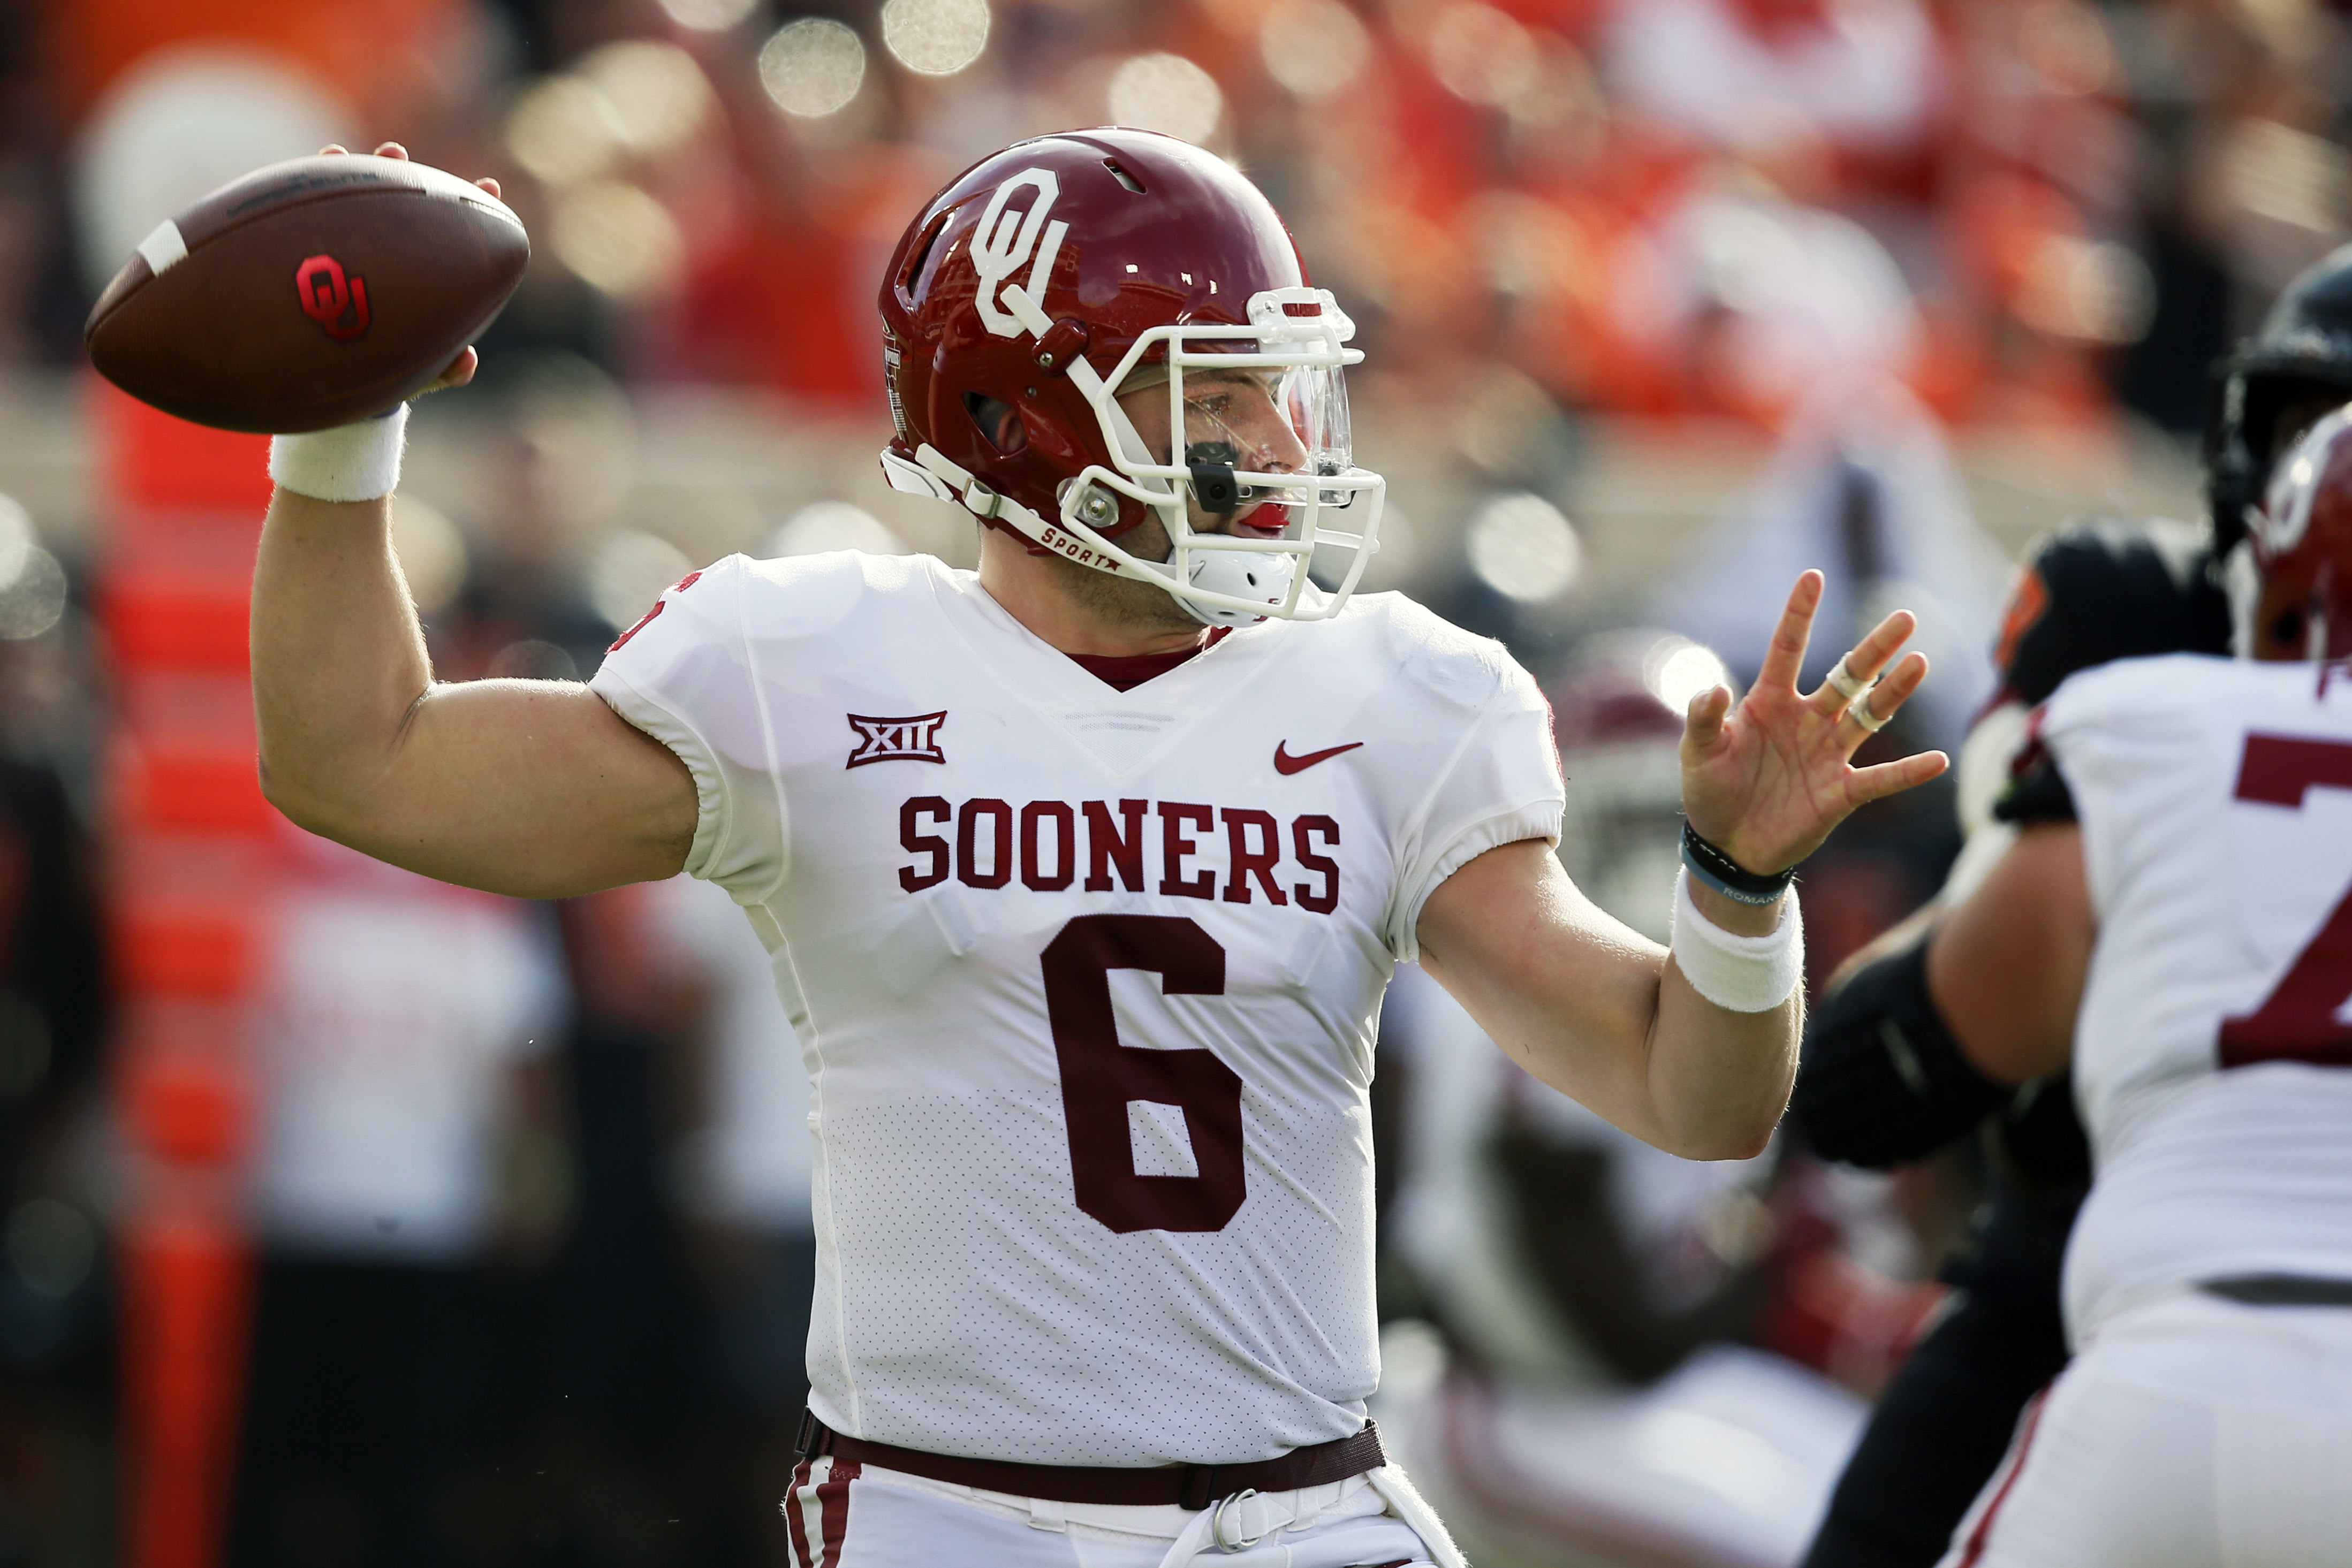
(1233, 417)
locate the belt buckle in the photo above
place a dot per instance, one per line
(1217, 1524)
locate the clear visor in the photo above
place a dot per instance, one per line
(1277, 428)
(1317, 399)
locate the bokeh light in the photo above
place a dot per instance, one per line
(1314, 48)
(1166, 93)
(2090, 291)
(1524, 549)
(937, 37)
(1676, 669)
(562, 130)
(1481, 54)
(658, 98)
(629, 571)
(814, 66)
(17, 540)
(835, 525)
(619, 240)
(32, 582)
(708, 16)
(431, 552)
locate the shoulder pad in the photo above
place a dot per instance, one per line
(2105, 589)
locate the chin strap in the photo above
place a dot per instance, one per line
(939, 476)
(934, 474)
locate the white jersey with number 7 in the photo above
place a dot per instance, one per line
(2214, 1051)
(1085, 983)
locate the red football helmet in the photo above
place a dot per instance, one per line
(1048, 279)
(2291, 581)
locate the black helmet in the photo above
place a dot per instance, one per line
(2305, 344)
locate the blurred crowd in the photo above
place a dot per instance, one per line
(532, 1190)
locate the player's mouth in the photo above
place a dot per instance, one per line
(1267, 520)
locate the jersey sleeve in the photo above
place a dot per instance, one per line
(682, 674)
(1501, 784)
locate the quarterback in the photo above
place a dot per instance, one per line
(1083, 875)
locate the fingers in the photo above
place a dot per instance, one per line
(1702, 720)
(1786, 656)
(461, 370)
(1870, 784)
(395, 150)
(1871, 710)
(1862, 664)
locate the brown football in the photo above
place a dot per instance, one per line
(308, 295)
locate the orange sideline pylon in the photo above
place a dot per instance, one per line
(190, 886)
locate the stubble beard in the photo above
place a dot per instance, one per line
(1123, 601)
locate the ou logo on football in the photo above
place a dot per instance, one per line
(1006, 239)
(327, 297)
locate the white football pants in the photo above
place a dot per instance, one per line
(2189, 1433)
(843, 1515)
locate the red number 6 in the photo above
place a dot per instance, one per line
(1100, 1075)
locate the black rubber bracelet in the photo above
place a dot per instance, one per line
(1727, 876)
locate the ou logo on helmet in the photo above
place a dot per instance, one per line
(1005, 239)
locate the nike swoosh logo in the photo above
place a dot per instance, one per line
(1285, 764)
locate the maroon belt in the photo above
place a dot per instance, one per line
(1187, 1486)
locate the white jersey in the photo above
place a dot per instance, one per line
(1085, 983)
(2212, 1057)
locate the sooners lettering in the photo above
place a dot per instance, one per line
(914, 740)
(1176, 847)
(1120, 846)
(1047, 842)
(968, 844)
(1033, 816)
(327, 297)
(913, 817)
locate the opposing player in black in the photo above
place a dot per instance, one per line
(1882, 1082)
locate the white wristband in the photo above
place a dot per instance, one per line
(1741, 974)
(350, 462)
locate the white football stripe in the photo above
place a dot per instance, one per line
(164, 249)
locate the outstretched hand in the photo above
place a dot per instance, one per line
(461, 370)
(1767, 780)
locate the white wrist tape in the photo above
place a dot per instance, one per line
(350, 462)
(1741, 974)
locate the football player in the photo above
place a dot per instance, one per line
(1882, 1082)
(2172, 921)
(1083, 875)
